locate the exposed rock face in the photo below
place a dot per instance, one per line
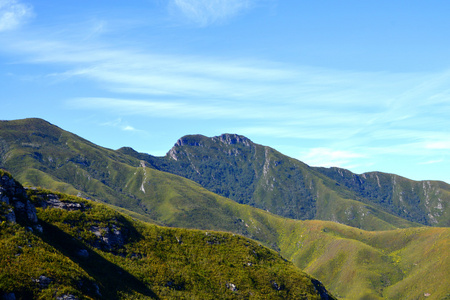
(204, 142)
(232, 139)
(108, 238)
(52, 201)
(231, 287)
(67, 297)
(43, 281)
(15, 202)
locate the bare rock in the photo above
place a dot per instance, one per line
(10, 216)
(12, 193)
(31, 212)
(53, 201)
(108, 238)
(43, 281)
(231, 286)
(67, 297)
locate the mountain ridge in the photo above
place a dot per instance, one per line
(229, 165)
(354, 263)
(232, 165)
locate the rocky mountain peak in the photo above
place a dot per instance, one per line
(190, 140)
(203, 141)
(232, 139)
(208, 142)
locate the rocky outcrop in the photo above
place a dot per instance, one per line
(67, 297)
(15, 205)
(231, 286)
(53, 201)
(232, 139)
(43, 281)
(108, 238)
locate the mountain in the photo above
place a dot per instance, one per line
(351, 262)
(235, 167)
(64, 247)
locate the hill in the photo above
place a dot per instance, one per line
(66, 247)
(39, 153)
(235, 167)
(353, 263)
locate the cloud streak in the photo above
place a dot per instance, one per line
(118, 123)
(207, 12)
(13, 14)
(326, 157)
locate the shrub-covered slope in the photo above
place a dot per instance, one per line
(411, 263)
(79, 249)
(425, 202)
(234, 167)
(127, 179)
(40, 154)
(353, 263)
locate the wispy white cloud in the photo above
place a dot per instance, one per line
(436, 161)
(119, 123)
(206, 12)
(326, 157)
(169, 108)
(13, 14)
(442, 144)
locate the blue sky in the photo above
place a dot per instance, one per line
(363, 85)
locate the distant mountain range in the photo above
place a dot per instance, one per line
(234, 167)
(229, 183)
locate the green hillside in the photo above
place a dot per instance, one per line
(234, 167)
(40, 154)
(425, 202)
(352, 263)
(356, 264)
(85, 250)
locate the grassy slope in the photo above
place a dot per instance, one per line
(357, 264)
(153, 262)
(175, 201)
(354, 264)
(234, 167)
(40, 154)
(264, 178)
(422, 201)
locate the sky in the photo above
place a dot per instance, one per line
(361, 85)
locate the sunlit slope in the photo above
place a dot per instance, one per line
(357, 264)
(40, 154)
(353, 263)
(425, 202)
(47, 156)
(84, 250)
(233, 166)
